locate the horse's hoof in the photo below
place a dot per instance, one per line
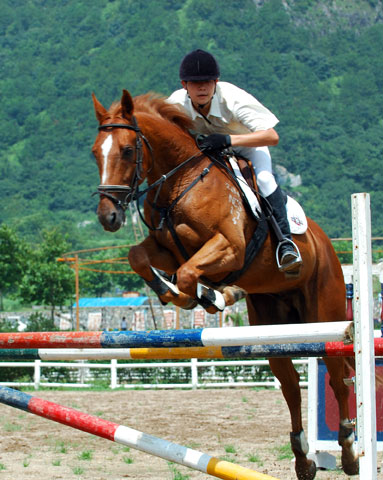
(305, 470)
(350, 465)
(350, 462)
(233, 294)
(208, 297)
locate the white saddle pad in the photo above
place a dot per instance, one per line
(295, 214)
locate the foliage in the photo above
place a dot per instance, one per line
(37, 322)
(7, 325)
(12, 261)
(93, 280)
(316, 64)
(237, 318)
(344, 251)
(47, 281)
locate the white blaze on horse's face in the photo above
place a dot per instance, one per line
(106, 147)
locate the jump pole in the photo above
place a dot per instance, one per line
(364, 351)
(315, 349)
(205, 337)
(128, 436)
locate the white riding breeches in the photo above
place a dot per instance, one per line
(261, 160)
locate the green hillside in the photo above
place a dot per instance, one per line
(316, 64)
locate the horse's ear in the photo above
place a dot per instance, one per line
(98, 108)
(126, 105)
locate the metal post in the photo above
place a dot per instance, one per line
(113, 374)
(37, 374)
(364, 336)
(194, 371)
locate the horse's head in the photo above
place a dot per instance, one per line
(120, 150)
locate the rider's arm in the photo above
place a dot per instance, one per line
(260, 138)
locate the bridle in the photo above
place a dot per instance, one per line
(130, 191)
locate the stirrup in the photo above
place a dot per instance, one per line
(294, 264)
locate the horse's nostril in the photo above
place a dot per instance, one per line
(112, 218)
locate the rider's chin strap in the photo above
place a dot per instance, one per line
(201, 105)
(199, 109)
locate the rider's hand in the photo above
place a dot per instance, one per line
(215, 141)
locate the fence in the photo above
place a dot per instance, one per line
(211, 375)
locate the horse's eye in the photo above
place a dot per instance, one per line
(127, 152)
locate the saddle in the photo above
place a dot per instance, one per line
(246, 179)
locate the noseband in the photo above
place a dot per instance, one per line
(131, 190)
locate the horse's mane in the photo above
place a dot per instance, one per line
(155, 104)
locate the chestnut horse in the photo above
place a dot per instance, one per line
(199, 229)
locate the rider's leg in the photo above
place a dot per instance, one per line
(289, 256)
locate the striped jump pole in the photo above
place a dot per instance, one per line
(205, 337)
(128, 436)
(315, 349)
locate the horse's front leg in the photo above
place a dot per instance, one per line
(150, 254)
(284, 370)
(217, 256)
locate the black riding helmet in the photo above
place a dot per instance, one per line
(198, 66)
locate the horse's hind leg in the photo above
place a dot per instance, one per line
(338, 371)
(284, 370)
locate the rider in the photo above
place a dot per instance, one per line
(230, 116)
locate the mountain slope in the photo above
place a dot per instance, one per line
(316, 65)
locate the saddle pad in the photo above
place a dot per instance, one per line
(251, 198)
(295, 214)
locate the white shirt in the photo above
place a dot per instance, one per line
(232, 111)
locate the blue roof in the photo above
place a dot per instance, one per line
(112, 302)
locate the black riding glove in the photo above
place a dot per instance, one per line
(215, 141)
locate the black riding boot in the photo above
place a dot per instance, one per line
(288, 256)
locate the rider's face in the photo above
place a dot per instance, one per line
(202, 92)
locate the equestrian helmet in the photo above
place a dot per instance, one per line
(198, 66)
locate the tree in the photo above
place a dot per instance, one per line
(47, 281)
(38, 322)
(12, 261)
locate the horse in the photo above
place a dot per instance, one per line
(199, 233)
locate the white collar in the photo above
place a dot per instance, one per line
(215, 110)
